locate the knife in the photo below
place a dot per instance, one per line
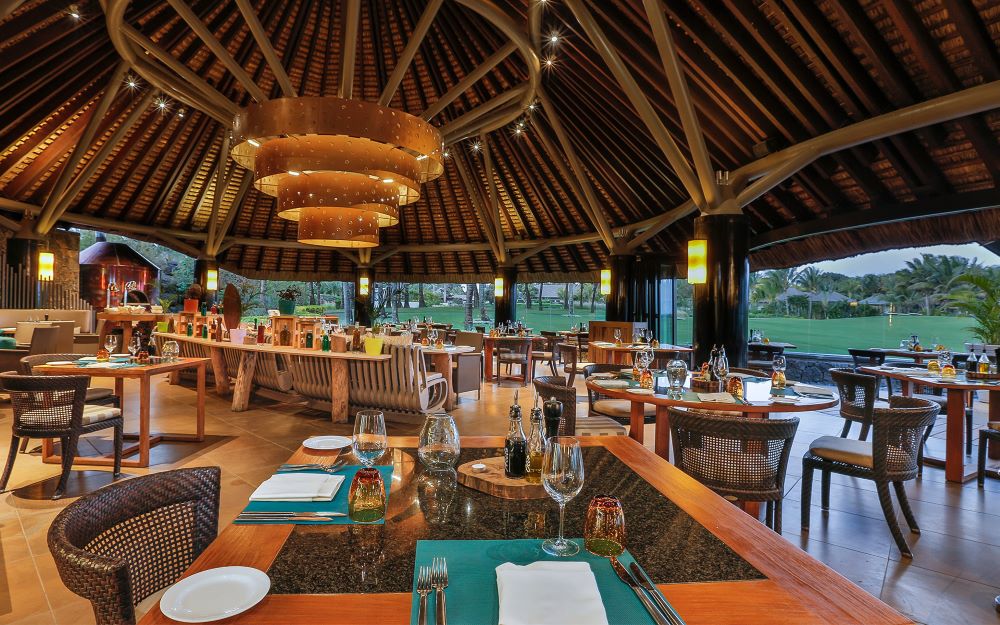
(626, 577)
(654, 592)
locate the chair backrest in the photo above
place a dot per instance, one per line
(122, 543)
(858, 392)
(713, 449)
(64, 337)
(761, 351)
(24, 330)
(46, 404)
(513, 345)
(480, 329)
(898, 436)
(554, 386)
(589, 370)
(40, 359)
(470, 339)
(867, 357)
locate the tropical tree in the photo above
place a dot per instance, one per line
(981, 301)
(811, 280)
(773, 284)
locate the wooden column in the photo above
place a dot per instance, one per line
(362, 314)
(722, 304)
(244, 381)
(505, 306)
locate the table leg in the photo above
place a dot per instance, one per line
(904, 388)
(954, 462)
(994, 399)
(339, 389)
(219, 371)
(201, 403)
(662, 436)
(488, 365)
(244, 381)
(529, 370)
(144, 416)
(637, 421)
(441, 363)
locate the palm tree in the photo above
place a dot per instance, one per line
(774, 283)
(980, 298)
(931, 277)
(811, 280)
(470, 290)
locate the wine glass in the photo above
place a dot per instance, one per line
(604, 528)
(618, 335)
(721, 367)
(778, 363)
(134, 345)
(562, 477)
(370, 441)
(440, 444)
(778, 377)
(111, 343)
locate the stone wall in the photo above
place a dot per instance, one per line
(813, 368)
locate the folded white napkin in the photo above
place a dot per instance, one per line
(549, 593)
(612, 383)
(812, 390)
(719, 397)
(298, 487)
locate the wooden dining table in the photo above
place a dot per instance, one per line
(145, 439)
(714, 564)
(959, 389)
(918, 357)
(601, 352)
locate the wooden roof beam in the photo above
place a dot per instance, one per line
(491, 188)
(216, 248)
(266, 48)
(352, 19)
(470, 79)
(470, 122)
(221, 184)
(638, 99)
(403, 62)
(475, 197)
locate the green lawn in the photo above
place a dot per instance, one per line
(835, 336)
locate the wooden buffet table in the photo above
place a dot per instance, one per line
(125, 321)
(441, 360)
(339, 375)
(792, 588)
(145, 438)
(601, 352)
(958, 396)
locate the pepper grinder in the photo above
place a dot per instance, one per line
(553, 411)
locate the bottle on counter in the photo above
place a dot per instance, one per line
(260, 333)
(984, 363)
(284, 337)
(553, 410)
(190, 328)
(536, 446)
(515, 447)
(309, 340)
(972, 363)
(204, 330)
(325, 343)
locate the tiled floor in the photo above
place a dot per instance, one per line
(952, 579)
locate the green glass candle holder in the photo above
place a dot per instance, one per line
(366, 499)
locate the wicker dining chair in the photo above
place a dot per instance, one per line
(858, 394)
(604, 405)
(891, 458)
(548, 386)
(55, 407)
(739, 458)
(126, 541)
(870, 358)
(569, 355)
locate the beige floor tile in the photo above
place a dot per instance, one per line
(21, 593)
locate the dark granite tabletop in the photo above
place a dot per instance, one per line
(425, 505)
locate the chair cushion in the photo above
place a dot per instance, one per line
(621, 408)
(598, 426)
(843, 450)
(96, 393)
(91, 414)
(541, 355)
(512, 358)
(994, 425)
(578, 368)
(7, 342)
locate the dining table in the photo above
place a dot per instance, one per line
(783, 344)
(917, 356)
(714, 564)
(958, 390)
(143, 374)
(441, 362)
(605, 352)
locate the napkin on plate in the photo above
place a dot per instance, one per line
(806, 389)
(612, 383)
(549, 593)
(719, 397)
(298, 487)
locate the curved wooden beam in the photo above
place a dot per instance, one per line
(404, 60)
(266, 48)
(352, 18)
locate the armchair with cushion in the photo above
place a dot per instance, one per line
(618, 409)
(571, 425)
(467, 370)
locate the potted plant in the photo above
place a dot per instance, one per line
(193, 297)
(982, 303)
(286, 300)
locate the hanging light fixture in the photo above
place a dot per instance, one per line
(46, 266)
(498, 286)
(342, 168)
(697, 261)
(212, 279)
(605, 282)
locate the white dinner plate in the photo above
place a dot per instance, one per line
(59, 363)
(215, 594)
(121, 355)
(327, 442)
(89, 359)
(641, 391)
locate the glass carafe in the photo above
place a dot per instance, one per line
(440, 445)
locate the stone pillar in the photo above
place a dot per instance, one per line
(506, 303)
(722, 304)
(362, 302)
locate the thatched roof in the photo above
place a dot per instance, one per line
(763, 75)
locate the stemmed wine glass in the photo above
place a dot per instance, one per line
(618, 335)
(562, 477)
(111, 343)
(370, 441)
(134, 345)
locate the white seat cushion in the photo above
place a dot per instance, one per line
(433, 375)
(621, 408)
(91, 414)
(598, 426)
(843, 450)
(578, 368)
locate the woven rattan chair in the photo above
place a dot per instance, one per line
(986, 435)
(739, 458)
(126, 541)
(512, 351)
(570, 425)
(857, 399)
(604, 405)
(891, 457)
(869, 358)
(55, 407)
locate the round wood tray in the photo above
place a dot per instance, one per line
(492, 481)
(975, 375)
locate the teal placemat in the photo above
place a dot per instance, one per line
(338, 504)
(472, 579)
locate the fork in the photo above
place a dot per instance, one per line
(326, 468)
(439, 578)
(423, 587)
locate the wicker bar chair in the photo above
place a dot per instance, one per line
(570, 425)
(739, 458)
(55, 407)
(126, 541)
(891, 457)
(858, 394)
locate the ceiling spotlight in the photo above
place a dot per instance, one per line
(292, 172)
(131, 82)
(447, 154)
(180, 113)
(553, 37)
(162, 104)
(550, 62)
(518, 131)
(533, 106)
(74, 12)
(476, 146)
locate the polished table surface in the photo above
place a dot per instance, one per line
(715, 564)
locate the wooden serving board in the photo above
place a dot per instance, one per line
(493, 482)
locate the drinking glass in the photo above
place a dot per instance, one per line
(562, 477)
(366, 499)
(111, 343)
(677, 373)
(370, 441)
(721, 367)
(604, 528)
(134, 345)
(439, 442)
(170, 351)
(778, 363)
(618, 335)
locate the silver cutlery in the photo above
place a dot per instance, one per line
(266, 513)
(640, 574)
(651, 607)
(439, 578)
(423, 588)
(326, 468)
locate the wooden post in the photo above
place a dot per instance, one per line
(339, 390)
(244, 381)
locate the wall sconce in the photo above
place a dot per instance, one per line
(46, 266)
(605, 282)
(498, 286)
(363, 285)
(212, 279)
(697, 261)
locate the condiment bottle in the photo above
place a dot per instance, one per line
(553, 410)
(309, 340)
(984, 363)
(325, 343)
(536, 446)
(971, 363)
(260, 333)
(190, 329)
(515, 447)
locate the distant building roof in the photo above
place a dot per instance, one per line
(791, 292)
(875, 300)
(827, 297)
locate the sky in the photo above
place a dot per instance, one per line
(894, 260)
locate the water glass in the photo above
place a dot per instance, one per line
(366, 499)
(562, 477)
(604, 528)
(171, 350)
(439, 442)
(677, 373)
(135, 345)
(370, 441)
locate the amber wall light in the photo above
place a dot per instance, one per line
(363, 285)
(212, 279)
(46, 266)
(605, 282)
(697, 261)
(498, 287)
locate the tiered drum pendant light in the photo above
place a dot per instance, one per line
(341, 168)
